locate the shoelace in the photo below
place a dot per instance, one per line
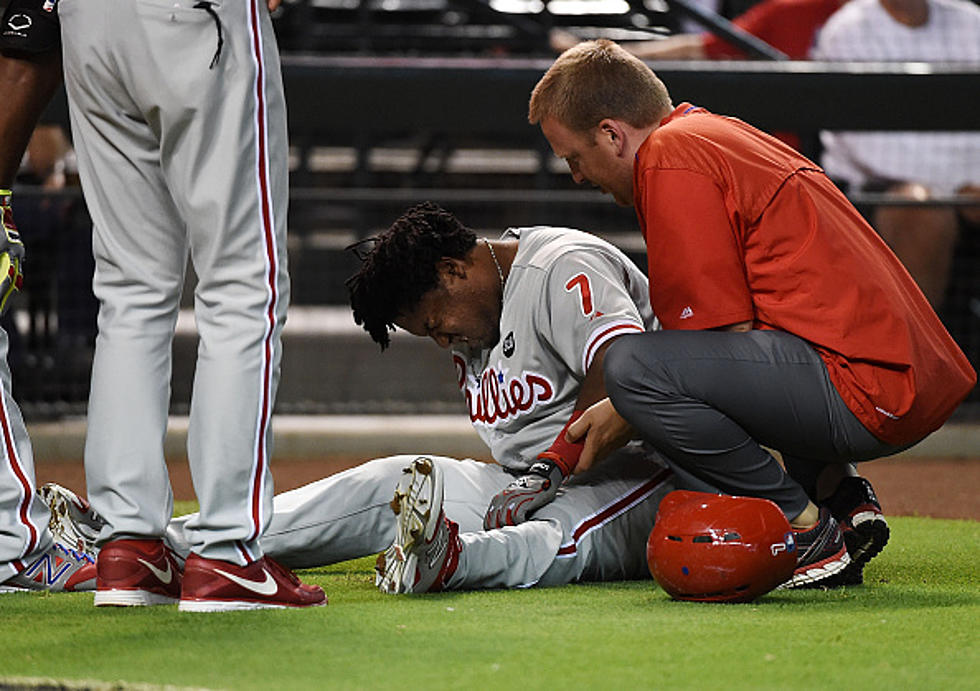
(207, 7)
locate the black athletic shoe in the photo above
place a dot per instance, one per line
(823, 555)
(865, 530)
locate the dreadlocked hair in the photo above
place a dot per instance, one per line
(402, 266)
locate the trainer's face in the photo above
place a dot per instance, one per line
(463, 311)
(594, 157)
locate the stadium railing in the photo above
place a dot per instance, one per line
(371, 136)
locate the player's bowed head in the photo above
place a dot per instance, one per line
(428, 275)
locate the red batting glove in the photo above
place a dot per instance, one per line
(562, 452)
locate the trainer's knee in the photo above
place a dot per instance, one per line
(620, 367)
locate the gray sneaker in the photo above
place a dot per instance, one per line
(426, 549)
(73, 521)
(58, 569)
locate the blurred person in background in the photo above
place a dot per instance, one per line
(910, 165)
(787, 25)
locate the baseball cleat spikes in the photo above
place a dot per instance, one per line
(426, 548)
(73, 522)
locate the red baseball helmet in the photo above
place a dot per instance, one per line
(718, 548)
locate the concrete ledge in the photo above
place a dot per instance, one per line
(372, 436)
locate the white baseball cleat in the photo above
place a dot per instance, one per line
(426, 549)
(73, 521)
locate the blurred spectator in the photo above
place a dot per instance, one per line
(787, 25)
(913, 165)
(51, 343)
(45, 159)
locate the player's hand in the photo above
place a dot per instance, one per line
(604, 431)
(11, 253)
(273, 5)
(524, 495)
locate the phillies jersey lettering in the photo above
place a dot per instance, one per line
(566, 295)
(494, 397)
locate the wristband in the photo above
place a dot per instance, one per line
(565, 453)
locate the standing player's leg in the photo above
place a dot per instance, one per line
(140, 255)
(225, 160)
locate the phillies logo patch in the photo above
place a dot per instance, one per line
(508, 344)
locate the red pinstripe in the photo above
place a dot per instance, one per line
(23, 511)
(270, 249)
(607, 513)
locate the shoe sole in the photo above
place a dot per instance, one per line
(131, 598)
(413, 506)
(61, 524)
(7, 589)
(865, 539)
(235, 605)
(823, 574)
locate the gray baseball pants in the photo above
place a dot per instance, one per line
(179, 123)
(710, 401)
(23, 519)
(595, 529)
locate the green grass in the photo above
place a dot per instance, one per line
(915, 625)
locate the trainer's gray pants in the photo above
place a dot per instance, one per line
(595, 529)
(710, 401)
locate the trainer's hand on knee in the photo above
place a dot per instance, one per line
(604, 431)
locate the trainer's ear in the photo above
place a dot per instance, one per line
(612, 134)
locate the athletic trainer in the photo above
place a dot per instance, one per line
(788, 323)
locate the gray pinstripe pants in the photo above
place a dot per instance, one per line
(182, 152)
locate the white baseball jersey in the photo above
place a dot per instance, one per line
(560, 305)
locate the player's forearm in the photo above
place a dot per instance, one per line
(593, 387)
(563, 452)
(27, 86)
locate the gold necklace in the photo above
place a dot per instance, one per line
(493, 255)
